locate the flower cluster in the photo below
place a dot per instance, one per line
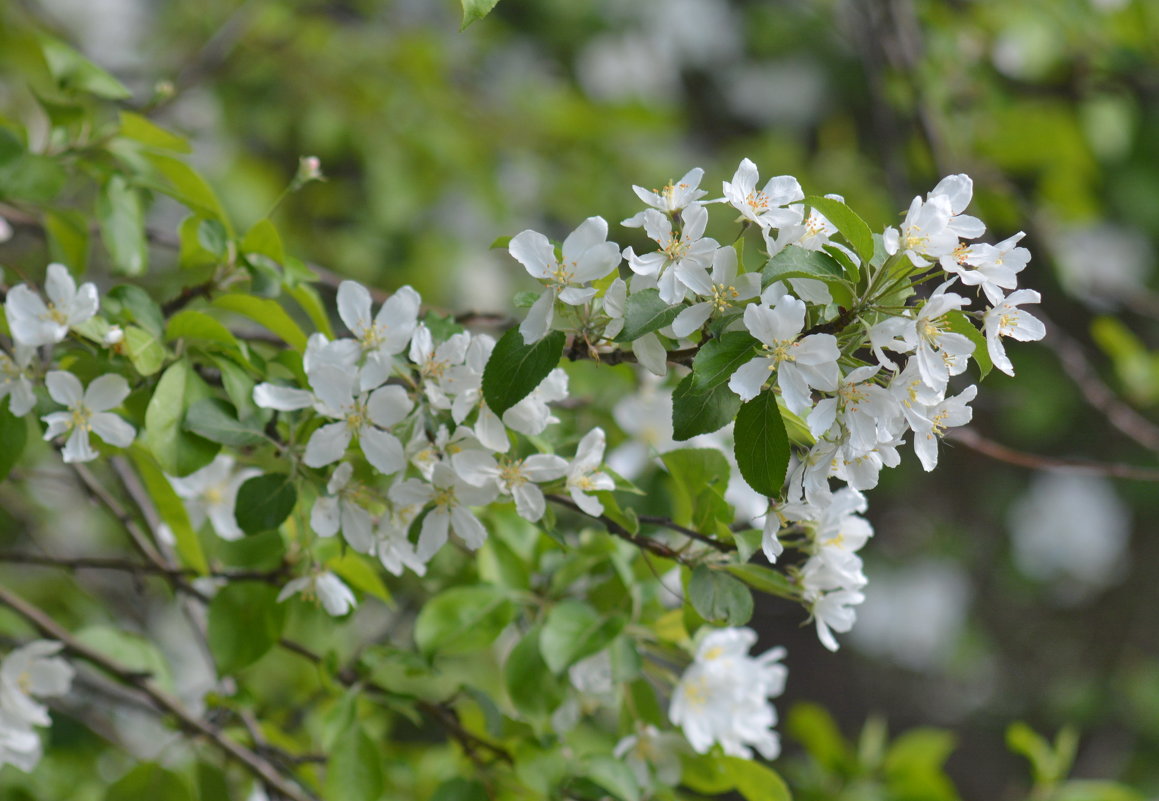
(27, 673)
(34, 323)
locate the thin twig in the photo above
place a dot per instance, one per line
(994, 450)
(640, 541)
(138, 568)
(1074, 361)
(444, 715)
(162, 700)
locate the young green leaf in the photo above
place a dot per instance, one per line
(216, 421)
(264, 501)
(960, 324)
(719, 598)
(699, 409)
(516, 368)
(574, 630)
(475, 10)
(530, 684)
(463, 619)
(121, 212)
(646, 312)
(851, 226)
(13, 436)
(178, 451)
(761, 444)
(245, 621)
(794, 262)
(354, 772)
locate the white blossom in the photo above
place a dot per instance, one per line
(681, 253)
(212, 492)
(87, 413)
(723, 695)
(670, 198)
(940, 352)
(994, 268)
(367, 414)
(515, 477)
(778, 205)
(587, 256)
(1007, 320)
(16, 379)
(29, 672)
(323, 587)
(451, 496)
(799, 362)
(33, 322)
(387, 333)
(723, 291)
(339, 510)
(584, 475)
(948, 413)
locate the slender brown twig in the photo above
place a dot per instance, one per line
(994, 450)
(160, 699)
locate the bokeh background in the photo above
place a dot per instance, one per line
(998, 591)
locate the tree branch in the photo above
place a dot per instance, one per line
(987, 447)
(162, 700)
(642, 542)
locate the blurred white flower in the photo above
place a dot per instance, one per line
(1070, 530)
(914, 616)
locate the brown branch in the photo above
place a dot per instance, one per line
(444, 715)
(657, 520)
(160, 699)
(139, 568)
(994, 450)
(642, 542)
(1096, 393)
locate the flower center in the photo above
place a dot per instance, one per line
(561, 276)
(512, 474)
(723, 296)
(82, 417)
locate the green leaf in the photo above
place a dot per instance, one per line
(645, 312)
(700, 476)
(177, 451)
(170, 508)
(33, 178)
(145, 131)
(813, 727)
(765, 579)
(217, 421)
(150, 781)
(68, 238)
(144, 350)
(266, 313)
(795, 262)
(574, 630)
(195, 325)
(719, 598)
(761, 445)
(245, 621)
(13, 437)
(697, 409)
(516, 368)
(747, 543)
(463, 619)
(704, 774)
(460, 789)
(264, 238)
(307, 297)
(139, 306)
(354, 772)
(530, 685)
(702, 402)
(358, 571)
(756, 782)
(264, 501)
(961, 324)
(851, 226)
(1095, 790)
(121, 212)
(475, 10)
(73, 71)
(613, 775)
(184, 184)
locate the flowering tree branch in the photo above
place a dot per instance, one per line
(162, 700)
